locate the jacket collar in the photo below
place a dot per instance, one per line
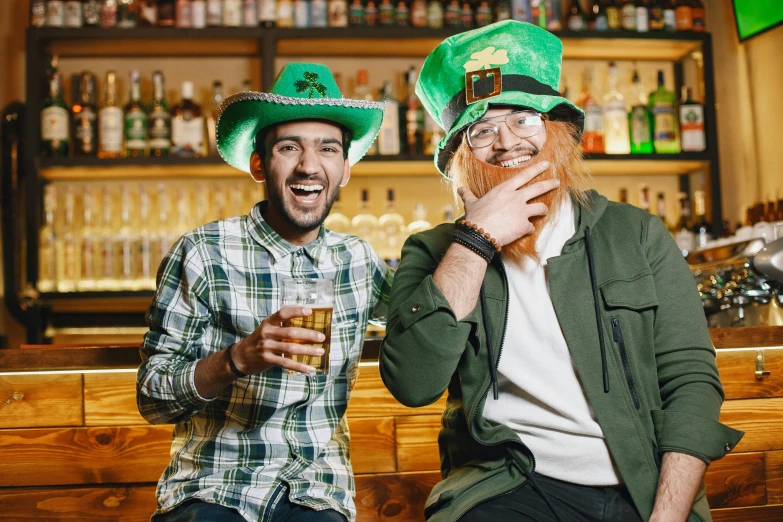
(585, 216)
(278, 247)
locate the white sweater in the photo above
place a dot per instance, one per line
(541, 397)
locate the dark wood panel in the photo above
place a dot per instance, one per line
(738, 373)
(417, 443)
(745, 337)
(35, 358)
(760, 419)
(737, 480)
(134, 503)
(40, 400)
(749, 514)
(774, 460)
(110, 399)
(372, 399)
(396, 497)
(373, 445)
(49, 457)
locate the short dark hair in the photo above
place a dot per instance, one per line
(260, 139)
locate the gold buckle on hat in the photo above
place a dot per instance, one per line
(472, 77)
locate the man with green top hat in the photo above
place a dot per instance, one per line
(251, 441)
(566, 329)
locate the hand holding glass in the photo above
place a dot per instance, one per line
(318, 295)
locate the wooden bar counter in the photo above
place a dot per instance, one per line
(73, 447)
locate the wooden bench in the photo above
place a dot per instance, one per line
(73, 446)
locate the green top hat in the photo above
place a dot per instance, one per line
(302, 91)
(505, 63)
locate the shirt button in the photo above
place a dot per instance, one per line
(727, 447)
(415, 308)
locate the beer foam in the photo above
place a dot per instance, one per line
(319, 305)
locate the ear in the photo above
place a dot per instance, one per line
(257, 168)
(346, 173)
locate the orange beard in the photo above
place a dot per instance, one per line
(562, 151)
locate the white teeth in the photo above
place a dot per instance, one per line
(515, 161)
(308, 188)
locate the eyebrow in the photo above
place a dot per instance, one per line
(317, 141)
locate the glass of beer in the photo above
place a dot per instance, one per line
(318, 295)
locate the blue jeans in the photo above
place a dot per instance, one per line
(285, 511)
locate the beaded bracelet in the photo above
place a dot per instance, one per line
(233, 366)
(472, 226)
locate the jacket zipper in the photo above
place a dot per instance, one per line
(486, 392)
(618, 338)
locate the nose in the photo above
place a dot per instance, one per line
(507, 140)
(308, 162)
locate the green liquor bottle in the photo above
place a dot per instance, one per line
(662, 105)
(159, 119)
(54, 121)
(135, 120)
(640, 120)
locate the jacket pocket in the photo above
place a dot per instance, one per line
(635, 294)
(459, 482)
(617, 335)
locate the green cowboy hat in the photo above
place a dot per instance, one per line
(505, 63)
(302, 91)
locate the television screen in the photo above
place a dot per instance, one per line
(756, 16)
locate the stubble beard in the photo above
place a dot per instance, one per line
(308, 219)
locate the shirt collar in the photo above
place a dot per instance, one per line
(278, 247)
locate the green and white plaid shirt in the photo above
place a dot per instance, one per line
(269, 434)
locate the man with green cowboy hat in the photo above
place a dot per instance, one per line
(252, 442)
(566, 329)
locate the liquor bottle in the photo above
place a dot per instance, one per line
(109, 13)
(623, 195)
(691, 123)
(616, 139)
(182, 225)
(412, 116)
(656, 15)
(336, 221)
(110, 122)
(144, 277)
(54, 120)
(683, 15)
(640, 119)
(538, 13)
(362, 92)
(553, 11)
(319, 13)
(85, 118)
(466, 15)
(47, 253)
(402, 14)
(683, 236)
(593, 136)
(285, 13)
(123, 252)
(338, 13)
(249, 13)
(215, 13)
(613, 18)
(628, 15)
(389, 135)
(38, 14)
(520, 11)
(419, 13)
(432, 135)
(88, 244)
(72, 13)
(158, 119)
(232, 13)
(356, 13)
(267, 13)
(419, 223)
(67, 258)
(55, 13)
(502, 10)
(702, 230)
(127, 12)
(392, 232)
(167, 13)
(187, 126)
(483, 13)
(135, 120)
(302, 18)
(661, 210)
(642, 16)
(211, 118)
(599, 20)
(452, 14)
(148, 12)
(161, 240)
(576, 17)
(371, 13)
(698, 17)
(669, 17)
(662, 100)
(198, 13)
(644, 197)
(184, 14)
(365, 224)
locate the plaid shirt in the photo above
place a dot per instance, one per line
(268, 434)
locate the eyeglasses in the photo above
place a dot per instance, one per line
(523, 124)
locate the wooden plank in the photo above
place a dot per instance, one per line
(162, 47)
(77, 358)
(737, 480)
(774, 461)
(372, 399)
(417, 443)
(103, 504)
(747, 337)
(373, 445)
(396, 497)
(49, 457)
(110, 399)
(760, 419)
(738, 373)
(749, 514)
(40, 400)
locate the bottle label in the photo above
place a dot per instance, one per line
(54, 124)
(640, 125)
(628, 17)
(601, 23)
(401, 14)
(453, 13)
(692, 128)
(109, 15)
(435, 15)
(669, 21)
(656, 18)
(198, 13)
(86, 131)
(419, 14)
(338, 13)
(232, 13)
(466, 15)
(370, 14)
(285, 14)
(250, 13)
(594, 118)
(319, 16)
(214, 13)
(389, 135)
(267, 11)
(356, 13)
(642, 20)
(135, 130)
(301, 14)
(613, 18)
(520, 11)
(73, 14)
(160, 129)
(110, 129)
(187, 135)
(483, 15)
(663, 115)
(38, 18)
(55, 15)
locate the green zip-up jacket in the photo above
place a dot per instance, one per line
(643, 354)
